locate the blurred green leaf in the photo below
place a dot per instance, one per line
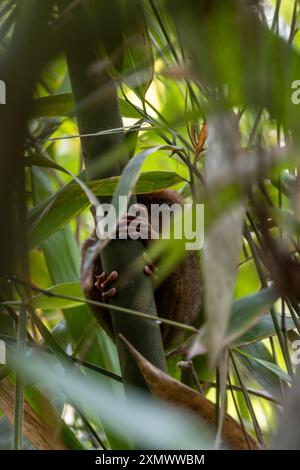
(176, 430)
(269, 365)
(42, 161)
(253, 371)
(62, 104)
(263, 329)
(247, 311)
(53, 213)
(135, 64)
(51, 302)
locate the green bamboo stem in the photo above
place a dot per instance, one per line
(136, 293)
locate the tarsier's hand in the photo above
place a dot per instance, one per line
(103, 282)
(178, 297)
(136, 225)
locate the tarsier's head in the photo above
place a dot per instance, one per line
(165, 196)
(161, 207)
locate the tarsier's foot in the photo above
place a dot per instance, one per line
(103, 283)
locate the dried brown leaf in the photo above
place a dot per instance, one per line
(174, 392)
(42, 434)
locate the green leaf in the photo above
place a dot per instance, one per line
(128, 110)
(67, 288)
(256, 372)
(130, 176)
(269, 365)
(264, 328)
(62, 104)
(40, 160)
(135, 66)
(286, 183)
(247, 311)
(176, 430)
(46, 302)
(53, 213)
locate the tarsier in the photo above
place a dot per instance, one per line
(178, 298)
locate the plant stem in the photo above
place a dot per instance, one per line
(137, 294)
(19, 397)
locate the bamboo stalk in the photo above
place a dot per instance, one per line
(138, 293)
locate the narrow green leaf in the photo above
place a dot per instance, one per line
(62, 104)
(130, 176)
(51, 302)
(53, 213)
(247, 311)
(19, 398)
(127, 110)
(255, 372)
(44, 302)
(53, 105)
(41, 160)
(269, 365)
(264, 328)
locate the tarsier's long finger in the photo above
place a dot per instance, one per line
(138, 208)
(110, 293)
(150, 269)
(100, 278)
(130, 226)
(112, 277)
(149, 261)
(127, 219)
(149, 272)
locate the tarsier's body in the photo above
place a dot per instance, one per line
(178, 298)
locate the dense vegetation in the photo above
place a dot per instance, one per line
(109, 98)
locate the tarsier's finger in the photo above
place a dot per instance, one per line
(149, 261)
(112, 277)
(137, 208)
(110, 293)
(130, 226)
(149, 272)
(99, 279)
(124, 221)
(101, 276)
(150, 269)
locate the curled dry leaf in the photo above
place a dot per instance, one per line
(43, 434)
(174, 392)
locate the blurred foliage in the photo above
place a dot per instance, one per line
(178, 66)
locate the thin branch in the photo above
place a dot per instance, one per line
(99, 304)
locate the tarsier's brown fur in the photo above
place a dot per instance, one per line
(178, 298)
